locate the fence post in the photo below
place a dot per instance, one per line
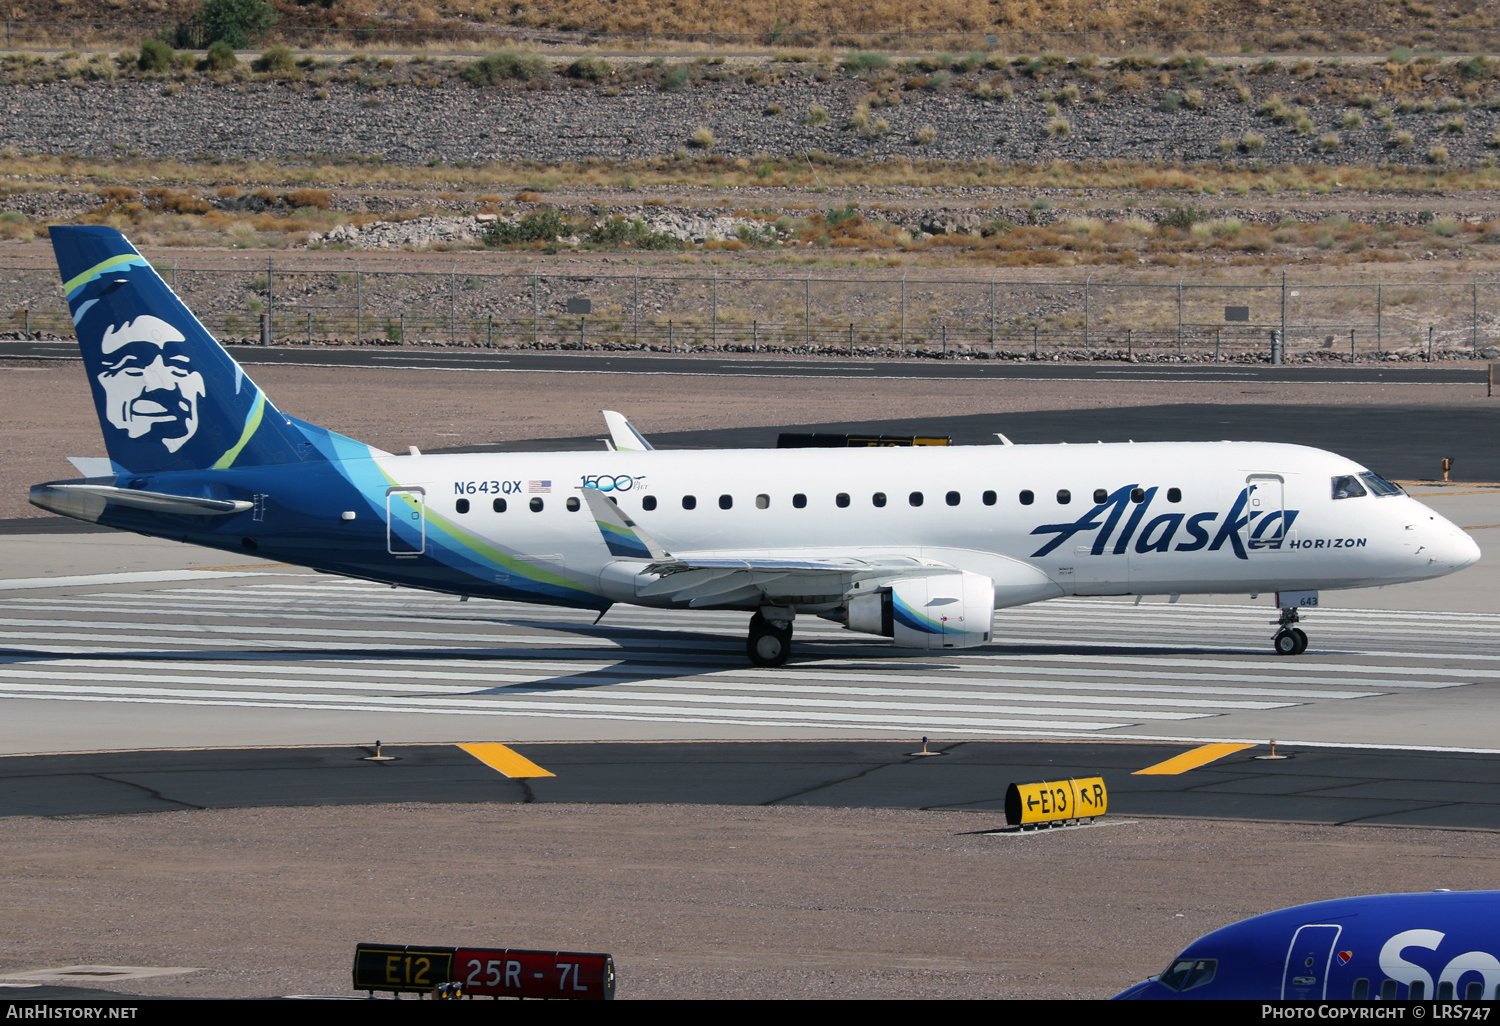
(1429, 343)
(1130, 344)
(714, 334)
(755, 336)
(636, 308)
(669, 336)
(1352, 357)
(309, 327)
(403, 328)
(270, 298)
(903, 314)
(359, 305)
(489, 332)
(26, 320)
(1474, 323)
(453, 306)
(174, 275)
(807, 314)
(992, 313)
(1283, 309)
(945, 340)
(1218, 335)
(1086, 282)
(536, 310)
(851, 338)
(1379, 312)
(1179, 316)
(583, 323)
(1033, 340)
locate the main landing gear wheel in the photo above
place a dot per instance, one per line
(770, 641)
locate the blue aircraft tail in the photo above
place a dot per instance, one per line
(169, 396)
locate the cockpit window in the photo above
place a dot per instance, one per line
(1379, 486)
(1201, 974)
(1189, 973)
(1347, 486)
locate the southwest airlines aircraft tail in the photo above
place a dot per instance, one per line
(919, 545)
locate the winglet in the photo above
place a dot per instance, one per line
(623, 434)
(621, 534)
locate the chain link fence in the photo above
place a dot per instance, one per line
(869, 316)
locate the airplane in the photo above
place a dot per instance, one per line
(920, 545)
(1381, 947)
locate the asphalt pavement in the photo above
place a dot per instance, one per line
(1328, 786)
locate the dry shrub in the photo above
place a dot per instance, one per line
(177, 202)
(318, 199)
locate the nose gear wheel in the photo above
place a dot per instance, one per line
(1289, 640)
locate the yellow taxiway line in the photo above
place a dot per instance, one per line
(503, 760)
(1200, 756)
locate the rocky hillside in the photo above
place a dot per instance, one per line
(1420, 112)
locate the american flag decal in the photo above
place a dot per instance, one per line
(538, 486)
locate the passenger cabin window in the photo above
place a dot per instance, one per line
(1174, 494)
(1137, 495)
(726, 501)
(1100, 495)
(1445, 990)
(1027, 498)
(799, 501)
(1417, 991)
(461, 506)
(573, 504)
(915, 498)
(988, 498)
(498, 505)
(1388, 990)
(1361, 990)
(762, 502)
(952, 498)
(1347, 486)
(1064, 496)
(689, 502)
(536, 505)
(878, 499)
(841, 500)
(649, 502)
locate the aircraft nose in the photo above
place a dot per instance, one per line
(1451, 547)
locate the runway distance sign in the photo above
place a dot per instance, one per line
(496, 972)
(1055, 801)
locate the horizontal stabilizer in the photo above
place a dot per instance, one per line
(78, 499)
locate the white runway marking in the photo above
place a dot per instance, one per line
(1079, 668)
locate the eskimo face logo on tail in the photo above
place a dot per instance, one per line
(150, 386)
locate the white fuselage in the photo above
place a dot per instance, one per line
(1150, 518)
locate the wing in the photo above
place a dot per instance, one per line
(727, 579)
(623, 437)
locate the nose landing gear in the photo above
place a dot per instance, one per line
(1289, 640)
(770, 641)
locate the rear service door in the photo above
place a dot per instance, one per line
(406, 521)
(1308, 962)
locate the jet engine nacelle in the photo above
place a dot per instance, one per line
(942, 611)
